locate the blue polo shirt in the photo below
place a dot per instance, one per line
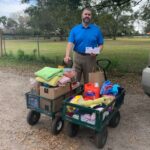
(83, 37)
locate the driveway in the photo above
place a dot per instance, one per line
(133, 132)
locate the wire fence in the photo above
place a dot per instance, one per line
(30, 44)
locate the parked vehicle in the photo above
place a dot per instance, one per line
(146, 80)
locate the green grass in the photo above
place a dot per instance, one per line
(47, 48)
(126, 54)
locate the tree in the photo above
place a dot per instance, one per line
(101, 3)
(47, 16)
(145, 16)
(116, 20)
(3, 20)
(147, 27)
(11, 25)
(22, 22)
(23, 27)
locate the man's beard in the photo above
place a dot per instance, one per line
(86, 20)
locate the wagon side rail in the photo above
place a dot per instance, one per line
(100, 120)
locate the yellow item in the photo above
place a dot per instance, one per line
(59, 66)
(51, 82)
(75, 100)
(92, 102)
(89, 103)
(103, 100)
(108, 99)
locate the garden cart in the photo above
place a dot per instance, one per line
(110, 115)
(49, 106)
(52, 108)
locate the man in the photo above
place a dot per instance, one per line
(84, 36)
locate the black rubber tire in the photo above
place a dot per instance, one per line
(57, 125)
(33, 117)
(115, 120)
(101, 138)
(72, 129)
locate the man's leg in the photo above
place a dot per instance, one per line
(89, 65)
(77, 64)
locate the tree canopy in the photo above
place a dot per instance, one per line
(145, 15)
(47, 17)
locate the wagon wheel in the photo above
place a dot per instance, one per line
(72, 129)
(57, 125)
(115, 120)
(101, 138)
(33, 117)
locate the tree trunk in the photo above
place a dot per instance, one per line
(114, 37)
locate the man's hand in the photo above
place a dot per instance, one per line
(92, 54)
(68, 50)
(67, 59)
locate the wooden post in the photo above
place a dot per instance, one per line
(1, 44)
(38, 46)
(149, 60)
(4, 45)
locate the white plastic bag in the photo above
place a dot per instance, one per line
(33, 85)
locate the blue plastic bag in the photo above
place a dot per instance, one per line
(108, 88)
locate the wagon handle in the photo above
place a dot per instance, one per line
(107, 61)
(68, 65)
(103, 67)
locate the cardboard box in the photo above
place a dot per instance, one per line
(53, 93)
(51, 105)
(97, 76)
(37, 87)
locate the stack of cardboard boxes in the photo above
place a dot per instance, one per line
(53, 85)
(51, 98)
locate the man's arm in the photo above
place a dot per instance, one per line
(68, 50)
(101, 47)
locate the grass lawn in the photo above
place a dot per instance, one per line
(126, 54)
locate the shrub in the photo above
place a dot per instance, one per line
(20, 54)
(35, 52)
(10, 54)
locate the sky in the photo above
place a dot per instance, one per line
(139, 24)
(7, 7)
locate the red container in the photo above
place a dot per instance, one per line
(90, 87)
(89, 95)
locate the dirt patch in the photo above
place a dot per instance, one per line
(133, 132)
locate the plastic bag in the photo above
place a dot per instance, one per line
(33, 86)
(108, 88)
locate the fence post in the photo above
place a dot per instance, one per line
(4, 45)
(1, 46)
(38, 46)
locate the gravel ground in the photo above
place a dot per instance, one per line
(133, 132)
